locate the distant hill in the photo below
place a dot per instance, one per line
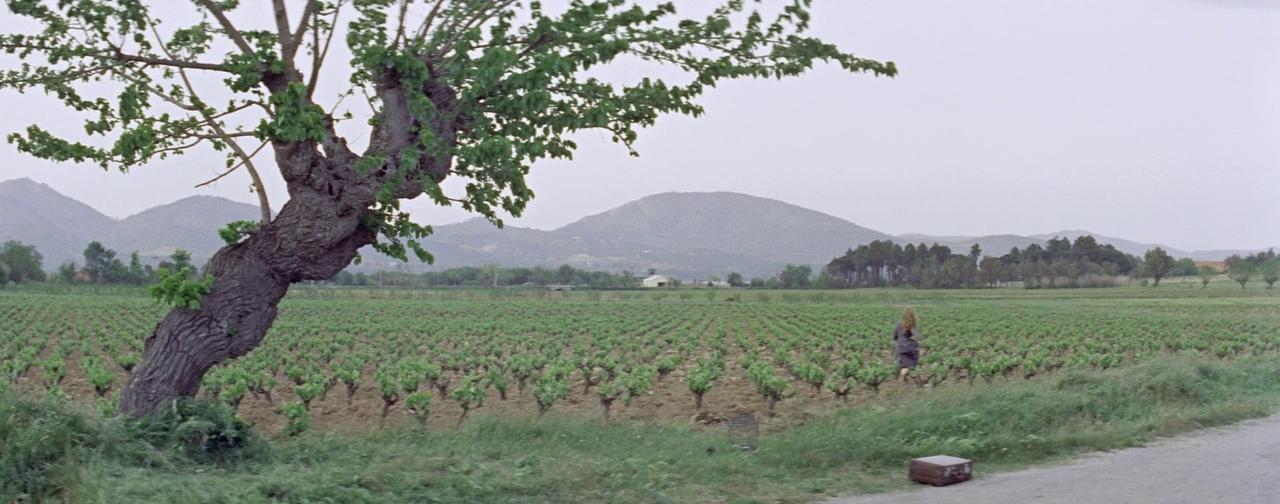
(750, 226)
(688, 235)
(477, 242)
(57, 225)
(60, 227)
(190, 223)
(683, 234)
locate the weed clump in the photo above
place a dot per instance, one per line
(43, 442)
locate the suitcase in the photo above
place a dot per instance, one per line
(940, 470)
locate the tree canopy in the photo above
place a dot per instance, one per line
(885, 263)
(21, 263)
(1157, 263)
(474, 89)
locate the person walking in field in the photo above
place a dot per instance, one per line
(908, 348)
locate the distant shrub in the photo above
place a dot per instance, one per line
(203, 431)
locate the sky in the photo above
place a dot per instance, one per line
(1151, 120)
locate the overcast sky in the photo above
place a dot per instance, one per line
(1152, 120)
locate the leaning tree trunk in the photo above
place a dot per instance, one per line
(316, 234)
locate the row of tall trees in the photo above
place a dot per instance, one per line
(1059, 263)
(883, 263)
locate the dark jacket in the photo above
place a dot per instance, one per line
(908, 349)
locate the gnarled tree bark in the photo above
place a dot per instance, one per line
(313, 238)
(316, 234)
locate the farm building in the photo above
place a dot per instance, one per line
(655, 281)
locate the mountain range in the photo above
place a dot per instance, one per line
(60, 227)
(688, 235)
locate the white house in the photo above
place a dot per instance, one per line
(655, 281)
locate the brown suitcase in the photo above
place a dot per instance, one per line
(940, 470)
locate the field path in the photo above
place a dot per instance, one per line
(1239, 464)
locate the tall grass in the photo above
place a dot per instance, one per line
(59, 454)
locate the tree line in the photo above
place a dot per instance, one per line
(1060, 262)
(103, 266)
(21, 263)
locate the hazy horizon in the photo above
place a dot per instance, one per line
(910, 236)
(1153, 121)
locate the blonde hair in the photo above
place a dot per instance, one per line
(909, 319)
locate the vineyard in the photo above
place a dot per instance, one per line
(356, 360)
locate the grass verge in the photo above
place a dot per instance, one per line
(49, 451)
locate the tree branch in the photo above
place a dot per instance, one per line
(115, 54)
(224, 135)
(233, 168)
(155, 91)
(281, 14)
(318, 55)
(149, 60)
(178, 148)
(228, 138)
(431, 17)
(285, 35)
(247, 160)
(395, 42)
(461, 25)
(455, 30)
(310, 9)
(231, 30)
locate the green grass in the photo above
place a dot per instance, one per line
(49, 451)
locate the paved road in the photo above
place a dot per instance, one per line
(1232, 465)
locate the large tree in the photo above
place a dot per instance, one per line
(1157, 263)
(795, 276)
(1240, 269)
(1270, 271)
(22, 262)
(478, 90)
(735, 279)
(101, 264)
